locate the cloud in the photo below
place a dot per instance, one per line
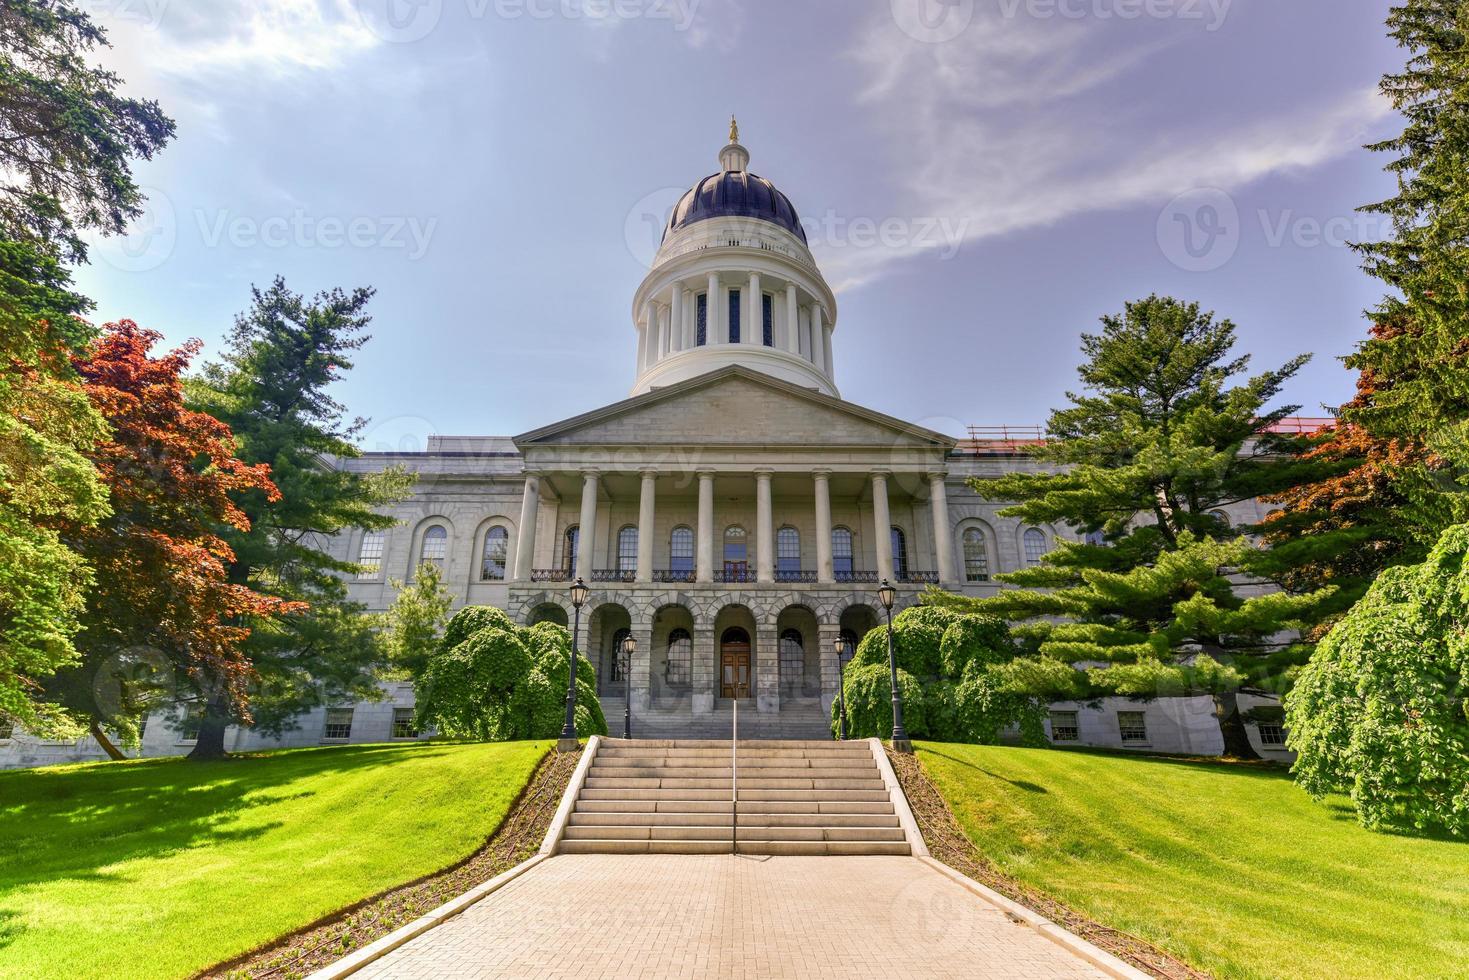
(1017, 124)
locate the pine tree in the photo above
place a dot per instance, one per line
(1165, 433)
(272, 390)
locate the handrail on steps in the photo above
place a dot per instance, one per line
(734, 780)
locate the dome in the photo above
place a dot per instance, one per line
(735, 193)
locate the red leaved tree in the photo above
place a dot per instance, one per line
(163, 604)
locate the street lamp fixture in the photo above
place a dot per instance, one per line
(887, 595)
(841, 647)
(629, 647)
(568, 741)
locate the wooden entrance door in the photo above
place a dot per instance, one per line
(734, 665)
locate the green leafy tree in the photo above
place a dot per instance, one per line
(272, 389)
(1421, 364)
(47, 429)
(67, 134)
(491, 679)
(1382, 710)
(1166, 430)
(413, 623)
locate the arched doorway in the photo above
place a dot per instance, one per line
(734, 663)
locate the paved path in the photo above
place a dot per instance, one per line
(676, 916)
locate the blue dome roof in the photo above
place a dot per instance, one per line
(736, 193)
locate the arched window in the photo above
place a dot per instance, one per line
(900, 553)
(1035, 545)
(787, 552)
(679, 669)
(841, 553)
(767, 314)
(370, 555)
(681, 551)
(1096, 539)
(1220, 518)
(736, 554)
(976, 556)
(627, 549)
(792, 663)
(435, 546)
(614, 656)
(701, 320)
(569, 545)
(492, 563)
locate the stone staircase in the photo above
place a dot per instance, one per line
(794, 720)
(674, 797)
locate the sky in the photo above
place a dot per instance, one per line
(981, 180)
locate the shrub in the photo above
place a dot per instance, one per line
(1381, 712)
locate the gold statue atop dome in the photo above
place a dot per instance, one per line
(734, 129)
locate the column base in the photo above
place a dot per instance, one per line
(902, 745)
(568, 745)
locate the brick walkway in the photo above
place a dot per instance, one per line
(639, 916)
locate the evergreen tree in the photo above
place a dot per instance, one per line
(413, 623)
(272, 390)
(1165, 431)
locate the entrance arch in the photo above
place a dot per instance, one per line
(735, 663)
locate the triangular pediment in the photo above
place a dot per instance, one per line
(735, 406)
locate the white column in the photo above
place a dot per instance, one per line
(764, 529)
(818, 327)
(645, 526)
(882, 526)
(650, 317)
(525, 541)
(943, 539)
(690, 319)
(824, 569)
(755, 312)
(675, 318)
(642, 345)
(704, 549)
(826, 351)
(586, 535)
(665, 333)
(711, 311)
(793, 320)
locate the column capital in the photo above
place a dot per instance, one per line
(937, 475)
(705, 474)
(589, 471)
(821, 474)
(764, 472)
(880, 474)
(648, 471)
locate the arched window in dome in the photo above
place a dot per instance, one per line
(734, 316)
(767, 315)
(701, 321)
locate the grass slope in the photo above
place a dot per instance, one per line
(1229, 867)
(161, 867)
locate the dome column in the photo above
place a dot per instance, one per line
(675, 319)
(793, 320)
(712, 320)
(818, 331)
(755, 318)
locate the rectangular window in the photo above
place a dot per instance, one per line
(370, 555)
(403, 723)
(627, 550)
(767, 314)
(338, 723)
(701, 321)
(1133, 726)
(841, 552)
(1271, 733)
(191, 719)
(1063, 726)
(734, 316)
(7, 730)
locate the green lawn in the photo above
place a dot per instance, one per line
(1229, 867)
(161, 867)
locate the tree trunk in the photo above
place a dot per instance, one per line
(1232, 727)
(210, 743)
(113, 752)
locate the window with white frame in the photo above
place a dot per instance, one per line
(681, 551)
(788, 551)
(404, 725)
(370, 554)
(569, 548)
(497, 545)
(190, 721)
(679, 669)
(338, 723)
(841, 551)
(1035, 545)
(435, 547)
(1133, 726)
(627, 549)
(1272, 733)
(976, 556)
(1064, 727)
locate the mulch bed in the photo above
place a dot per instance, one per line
(948, 843)
(333, 937)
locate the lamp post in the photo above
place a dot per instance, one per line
(887, 595)
(841, 648)
(568, 741)
(629, 647)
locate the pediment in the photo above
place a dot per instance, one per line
(735, 406)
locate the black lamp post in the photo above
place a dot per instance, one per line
(629, 647)
(841, 648)
(568, 740)
(887, 595)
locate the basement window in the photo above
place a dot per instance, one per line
(1133, 726)
(338, 723)
(1064, 727)
(403, 725)
(1272, 733)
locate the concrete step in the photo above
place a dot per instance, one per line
(715, 772)
(724, 806)
(723, 743)
(715, 782)
(777, 757)
(722, 833)
(762, 847)
(695, 818)
(722, 793)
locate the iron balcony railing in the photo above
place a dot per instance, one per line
(795, 574)
(673, 575)
(550, 575)
(734, 573)
(856, 576)
(918, 578)
(614, 575)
